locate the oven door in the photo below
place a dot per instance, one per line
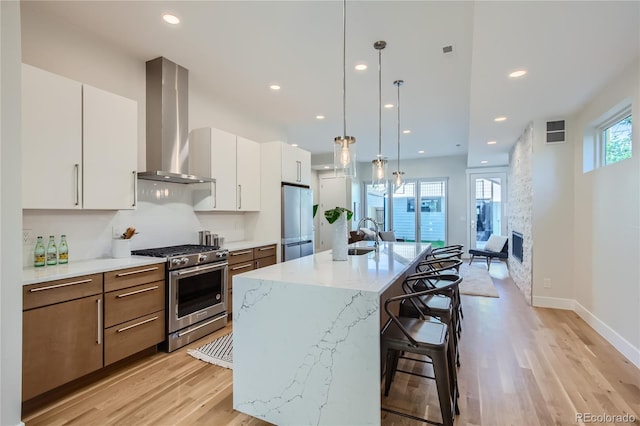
(196, 293)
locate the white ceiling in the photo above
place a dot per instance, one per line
(236, 49)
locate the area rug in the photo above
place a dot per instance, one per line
(476, 281)
(218, 352)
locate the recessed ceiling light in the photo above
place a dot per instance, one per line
(421, 152)
(484, 162)
(492, 143)
(320, 117)
(171, 19)
(294, 144)
(388, 105)
(274, 87)
(406, 131)
(499, 119)
(361, 67)
(518, 73)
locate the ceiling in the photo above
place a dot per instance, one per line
(236, 49)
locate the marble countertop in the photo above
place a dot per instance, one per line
(31, 275)
(372, 272)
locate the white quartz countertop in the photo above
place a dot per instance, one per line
(242, 245)
(372, 272)
(31, 275)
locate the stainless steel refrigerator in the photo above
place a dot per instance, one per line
(297, 222)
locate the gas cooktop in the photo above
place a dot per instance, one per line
(175, 250)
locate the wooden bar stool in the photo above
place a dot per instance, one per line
(423, 337)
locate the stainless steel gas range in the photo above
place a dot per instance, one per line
(196, 291)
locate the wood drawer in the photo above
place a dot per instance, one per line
(239, 268)
(264, 251)
(265, 261)
(240, 256)
(133, 336)
(50, 292)
(133, 302)
(123, 278)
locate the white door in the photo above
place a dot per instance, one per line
(51, 140)
(487, 202)
(109, 150)
(333, 193)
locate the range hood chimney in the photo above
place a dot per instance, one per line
(168, 123)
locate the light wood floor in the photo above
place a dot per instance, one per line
(520, 366)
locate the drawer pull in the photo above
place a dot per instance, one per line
(49, 287)
(99, 339)
(137, 291)
(239, 253)
(184, 333)
(248, 265)
(265, 248)
(139, 271)
(136, 324)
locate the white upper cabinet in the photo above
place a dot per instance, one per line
(51, 141)
(212, 153)
(248, 174)
(110, 136)
(296, 165)
(234, 163)
(79, 145)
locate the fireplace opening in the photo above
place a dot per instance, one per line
(516, 245)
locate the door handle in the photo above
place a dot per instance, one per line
(135, 190)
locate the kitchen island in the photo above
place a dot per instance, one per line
(306, 335)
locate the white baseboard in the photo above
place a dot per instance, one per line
(610, 335)
(553, 302)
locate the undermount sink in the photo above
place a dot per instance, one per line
(357, 251)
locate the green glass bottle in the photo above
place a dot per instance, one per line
(52, 251)
(63, 250)
(39, 257)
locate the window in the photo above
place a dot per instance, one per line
(616, 139)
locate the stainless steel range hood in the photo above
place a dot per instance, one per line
(168, 124)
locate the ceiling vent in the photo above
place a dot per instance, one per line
(447, 49)
(556, 132)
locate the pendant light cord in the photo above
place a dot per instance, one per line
(344, 67)
(398, 83)
(380, 103)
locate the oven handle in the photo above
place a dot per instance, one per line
(184, 333)
(199, 269)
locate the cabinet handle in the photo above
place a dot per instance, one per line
(77, 170)
(99, 339)
(136, 325)
(131, 293)
(299, 171)
(235, 268)
(49, 287)
(135, 190)
(257, 264)
(239, 253)
(265, 248)
(139, 271)
(239, 196)
(215, 194)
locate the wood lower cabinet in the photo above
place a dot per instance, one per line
(62, 333)
(134, 316)
(247, 260)
(76, 326)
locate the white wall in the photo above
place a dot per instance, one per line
(164, 215)
(10, 216)
(606, 216)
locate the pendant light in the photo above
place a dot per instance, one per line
(398, 182)
(344, 151)
(379, 165)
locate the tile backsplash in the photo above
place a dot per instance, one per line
(164, 216)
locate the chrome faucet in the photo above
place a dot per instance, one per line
(363, 221)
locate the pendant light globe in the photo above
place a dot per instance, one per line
(344, 151)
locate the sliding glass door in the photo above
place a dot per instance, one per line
(416, 212)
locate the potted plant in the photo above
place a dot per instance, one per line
(338, 217)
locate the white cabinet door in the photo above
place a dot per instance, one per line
(296, 165)
(51, 140)
(248, 175)
(110, 147)
(212, 153)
